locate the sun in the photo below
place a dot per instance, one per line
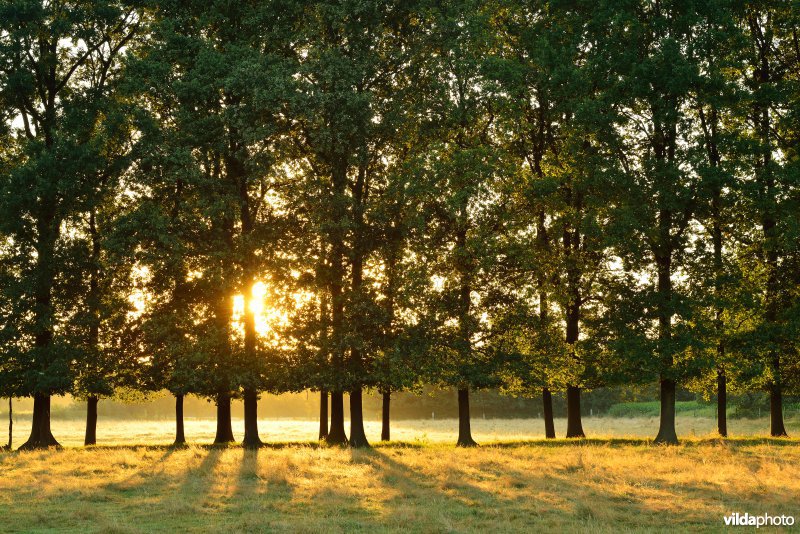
(266, 317)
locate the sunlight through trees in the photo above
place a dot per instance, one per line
(226, 199)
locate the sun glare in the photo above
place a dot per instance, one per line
(265, 316)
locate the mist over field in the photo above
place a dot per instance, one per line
(430, 417)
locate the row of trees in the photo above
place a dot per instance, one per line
(534, 196)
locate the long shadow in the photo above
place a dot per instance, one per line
(178, 491)
(198, 481)
(155, 477)
(464, 501)
(181, 499)
(587, 494)
(256, 495)
(537, 442)
(590, 491)
(265, 500)
(101, 502)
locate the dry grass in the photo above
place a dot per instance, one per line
(515, 482)
(598, 486)
(131, 432)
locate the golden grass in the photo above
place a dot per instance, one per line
(201, 431)
(597, 486)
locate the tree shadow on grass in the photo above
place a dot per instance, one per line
(496, 494)
(83, 505)
(155, 477)
(453, 503)
(278, 492)
(597, 495)
(537, 442)
(163, 497)
(260, 493)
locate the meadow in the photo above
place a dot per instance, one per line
(70, 432)
(514, 482)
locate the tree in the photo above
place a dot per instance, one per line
(351, 60)
(659, 187)
(230, 81)
(461, 182)
(10, 373)
(550, 93)
(399, 363)
(187, 312)
(103, 328)
(719, 159)
(771, 77)
(56, 56)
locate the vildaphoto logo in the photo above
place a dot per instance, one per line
(764, 520)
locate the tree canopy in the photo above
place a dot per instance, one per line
(224, 199)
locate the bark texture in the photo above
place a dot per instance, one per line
(336, 435)
(323, 414)
(180, 437)
(41, 436)
(574, 423)
(464, 430)
(224, 428)
(387, 401)
(666, 428)
(91, 421)
(722, 403)
(547, 407)
(358, 438)
(251, 439)
(776, 426)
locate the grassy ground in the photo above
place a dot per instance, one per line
(515, 482)
(593, 486)
(127, 432)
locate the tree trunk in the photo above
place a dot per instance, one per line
(251, 439)
(336, 435)
(666, 429)
(94, 327)
(574, 424)
(722, 403)
(710, 128)
(323, 414)
(549, 424)
(572, 313)
(387, 400)
(464, 431)
(358, 437)
(91, 421)
(41, 437)
(10, 424)
(771, 244)
(224, 428)
(180, 437)
(776, 426)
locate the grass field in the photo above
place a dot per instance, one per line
(515, 482)
(592, 486)
(70, 432)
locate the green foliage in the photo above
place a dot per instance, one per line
(502, 194)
